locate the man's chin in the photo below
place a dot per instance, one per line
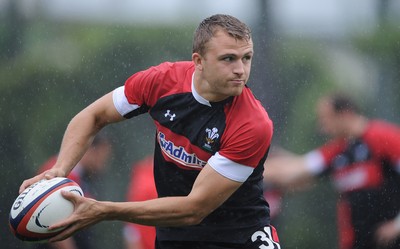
(236, 91)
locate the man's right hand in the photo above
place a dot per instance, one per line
(48, 174)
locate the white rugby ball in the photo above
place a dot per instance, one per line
(40, 206)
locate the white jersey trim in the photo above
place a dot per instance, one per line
(121, 102)
(315, 162)
(228, 168)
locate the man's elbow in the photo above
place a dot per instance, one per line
(193, 220)
(196, 216)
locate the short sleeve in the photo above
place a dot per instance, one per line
(248, 133)
(315, 162)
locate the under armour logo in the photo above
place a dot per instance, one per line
(171, 116)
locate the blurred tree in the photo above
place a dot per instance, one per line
(383, 49)
(12, 27)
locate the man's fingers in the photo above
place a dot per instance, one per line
(48, 174)
(25, 184)
(67, 232)
(70, 196)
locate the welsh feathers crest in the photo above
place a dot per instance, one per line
(211, 136)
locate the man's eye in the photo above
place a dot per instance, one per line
(247, 58)
(229, 58)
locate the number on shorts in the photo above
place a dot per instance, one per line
(266, 238)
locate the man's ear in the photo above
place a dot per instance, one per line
(198, 61)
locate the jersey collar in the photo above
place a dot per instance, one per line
(197, 96)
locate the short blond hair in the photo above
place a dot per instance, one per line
(207, 28)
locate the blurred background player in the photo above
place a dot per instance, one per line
(141, 187)
(87, 174)
(363, 157)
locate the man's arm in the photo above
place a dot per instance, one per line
(287, 170)
(388, 231)
(78, 137)
(209, 191)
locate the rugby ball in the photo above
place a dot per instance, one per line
(40, 206)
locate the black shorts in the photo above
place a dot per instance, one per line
(266, 238)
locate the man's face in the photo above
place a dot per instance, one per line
(225, 67)
(329, 121)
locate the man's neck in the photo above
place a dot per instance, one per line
(357, 127)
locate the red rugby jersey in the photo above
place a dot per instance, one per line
(233, 136)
